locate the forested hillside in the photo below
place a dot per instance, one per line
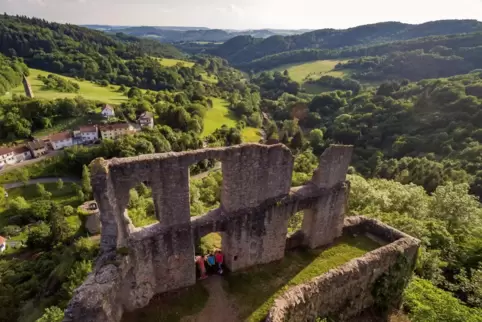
(11, 72)
(88, 54)
(244, 49)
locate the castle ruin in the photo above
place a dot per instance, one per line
(257, 201)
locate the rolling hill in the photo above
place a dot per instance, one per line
(243, 49)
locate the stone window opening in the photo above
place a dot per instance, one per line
(140, 208)
(207, 246)
(205, 186)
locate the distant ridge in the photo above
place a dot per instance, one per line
(243, 49)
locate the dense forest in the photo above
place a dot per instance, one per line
(88, 54)
(11, 72)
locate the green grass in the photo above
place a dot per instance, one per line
(48, 167)
(171, 307)
(299, 72)
(255, 289)
(88, 90)
(220, 115)
(69, 124)
(66, 196)
(169, 62)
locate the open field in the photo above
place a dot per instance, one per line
(251, 292)
(88, 90)
(312, 70)
(168, 62)
(66, 196)
(220, 115)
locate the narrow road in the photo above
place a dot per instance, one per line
(39, 180)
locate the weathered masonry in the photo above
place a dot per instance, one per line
(256, 203)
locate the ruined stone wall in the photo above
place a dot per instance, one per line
(375, 280)
(256, 204)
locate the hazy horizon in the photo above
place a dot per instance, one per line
(242, 14)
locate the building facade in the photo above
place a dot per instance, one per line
(61, 140)
(89, 133)
(22, 153)
(146, 119)
(113, 131)
(37, 148)
(6, 156)
(108, 111)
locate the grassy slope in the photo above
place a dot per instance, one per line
(168, 62)
(298, 72)
(220, 115)
(312, 70)
(87, 89)
(256, 289)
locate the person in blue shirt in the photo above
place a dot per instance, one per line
(211, 261)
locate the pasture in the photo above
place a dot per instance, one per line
(311, 70)
(220, 115)
(91, 91)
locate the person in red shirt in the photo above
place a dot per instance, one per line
(219, 256)
(202, 268)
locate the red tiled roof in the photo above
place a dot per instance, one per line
(60, 136)
(114, 126)
(2, 240)
(88, 128)
(5, 150)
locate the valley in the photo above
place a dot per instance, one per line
(407, 97)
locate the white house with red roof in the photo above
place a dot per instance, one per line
(7, 156)
(108, 111)
(89, 133)
(3, 243)
(61, 140)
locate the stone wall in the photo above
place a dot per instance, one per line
(256, 204)
(375, 280)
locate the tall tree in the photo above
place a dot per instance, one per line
(86, 186)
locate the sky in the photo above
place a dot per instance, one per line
(244, 14)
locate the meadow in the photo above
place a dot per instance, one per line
(91, 91)
(220, 115)
(311, 70)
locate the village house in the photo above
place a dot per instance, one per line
(113, 131)
(61, 140)
(6, 156)
(146, 119)
(3, 244)
(37, 148)
(21, 153)
(86, 134)
(108, 111)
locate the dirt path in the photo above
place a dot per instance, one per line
(219, 307)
